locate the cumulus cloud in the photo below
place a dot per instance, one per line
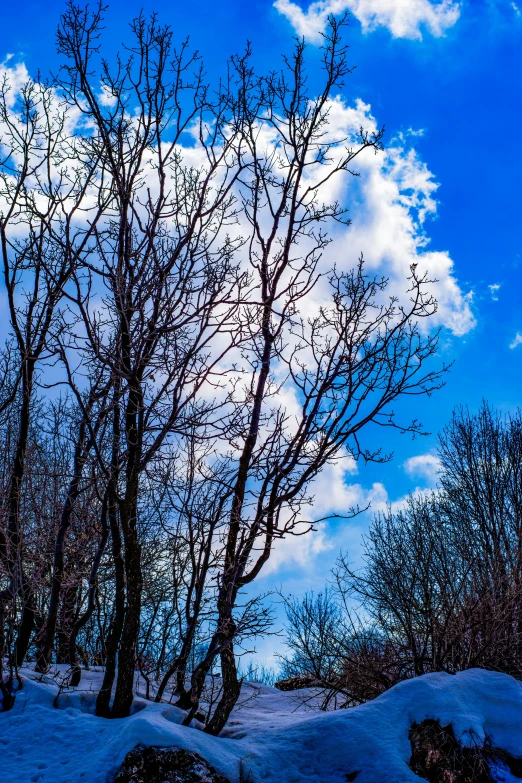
(390, 204)
(425, 466)
(334, 493)
(16, 75)
(403, 18)
(298, 551)
(517, 341)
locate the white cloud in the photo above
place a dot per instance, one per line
(390, 204)
(333, 494)
(516, 9)
(403, 18)
(517, 341)
(106, 97)
(494, 288)
(16, 75)
(423, 465)
(298, 551)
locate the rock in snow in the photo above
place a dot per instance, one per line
(439, 758)
(163, 765)
(296, 683)
(272, 737)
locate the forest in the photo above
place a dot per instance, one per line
(181, 359)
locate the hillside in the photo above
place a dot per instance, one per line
(272, 736)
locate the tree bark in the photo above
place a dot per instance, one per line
(104, 696)
(76, 672)
(47, 640)
(128, 642)
(20, 586)
(231, 691)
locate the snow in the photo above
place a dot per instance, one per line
(273, 735)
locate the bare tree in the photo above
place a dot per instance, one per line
(198, 503)
(163, 259)
(347, 660)
(345, 365)
(92, 414)
(172, 285)
(410, 554)
(440, 587)
(43, 181)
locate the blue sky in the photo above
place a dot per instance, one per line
(445, 79)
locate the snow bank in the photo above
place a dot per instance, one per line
(271, 734)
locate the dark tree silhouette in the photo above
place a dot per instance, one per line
(176, 266)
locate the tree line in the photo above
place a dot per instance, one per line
(170, 387)
(440, 587)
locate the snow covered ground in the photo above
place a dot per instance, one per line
(272, 735)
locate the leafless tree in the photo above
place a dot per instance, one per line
(91, 419)
(197, 501)
(172, 285)
(43, 181)
(345, 365)
(164, 261)
(440, 588)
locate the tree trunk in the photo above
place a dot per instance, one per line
(19, 583)
(76, 674)
(179, 668)
(128, 508)
(64, 628)
(27, 622)
(231, 691)
(113, 640)
(47, 639)
(129, 637)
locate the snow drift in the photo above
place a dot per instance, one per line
(273, 736)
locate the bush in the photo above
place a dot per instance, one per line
(441, 588)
